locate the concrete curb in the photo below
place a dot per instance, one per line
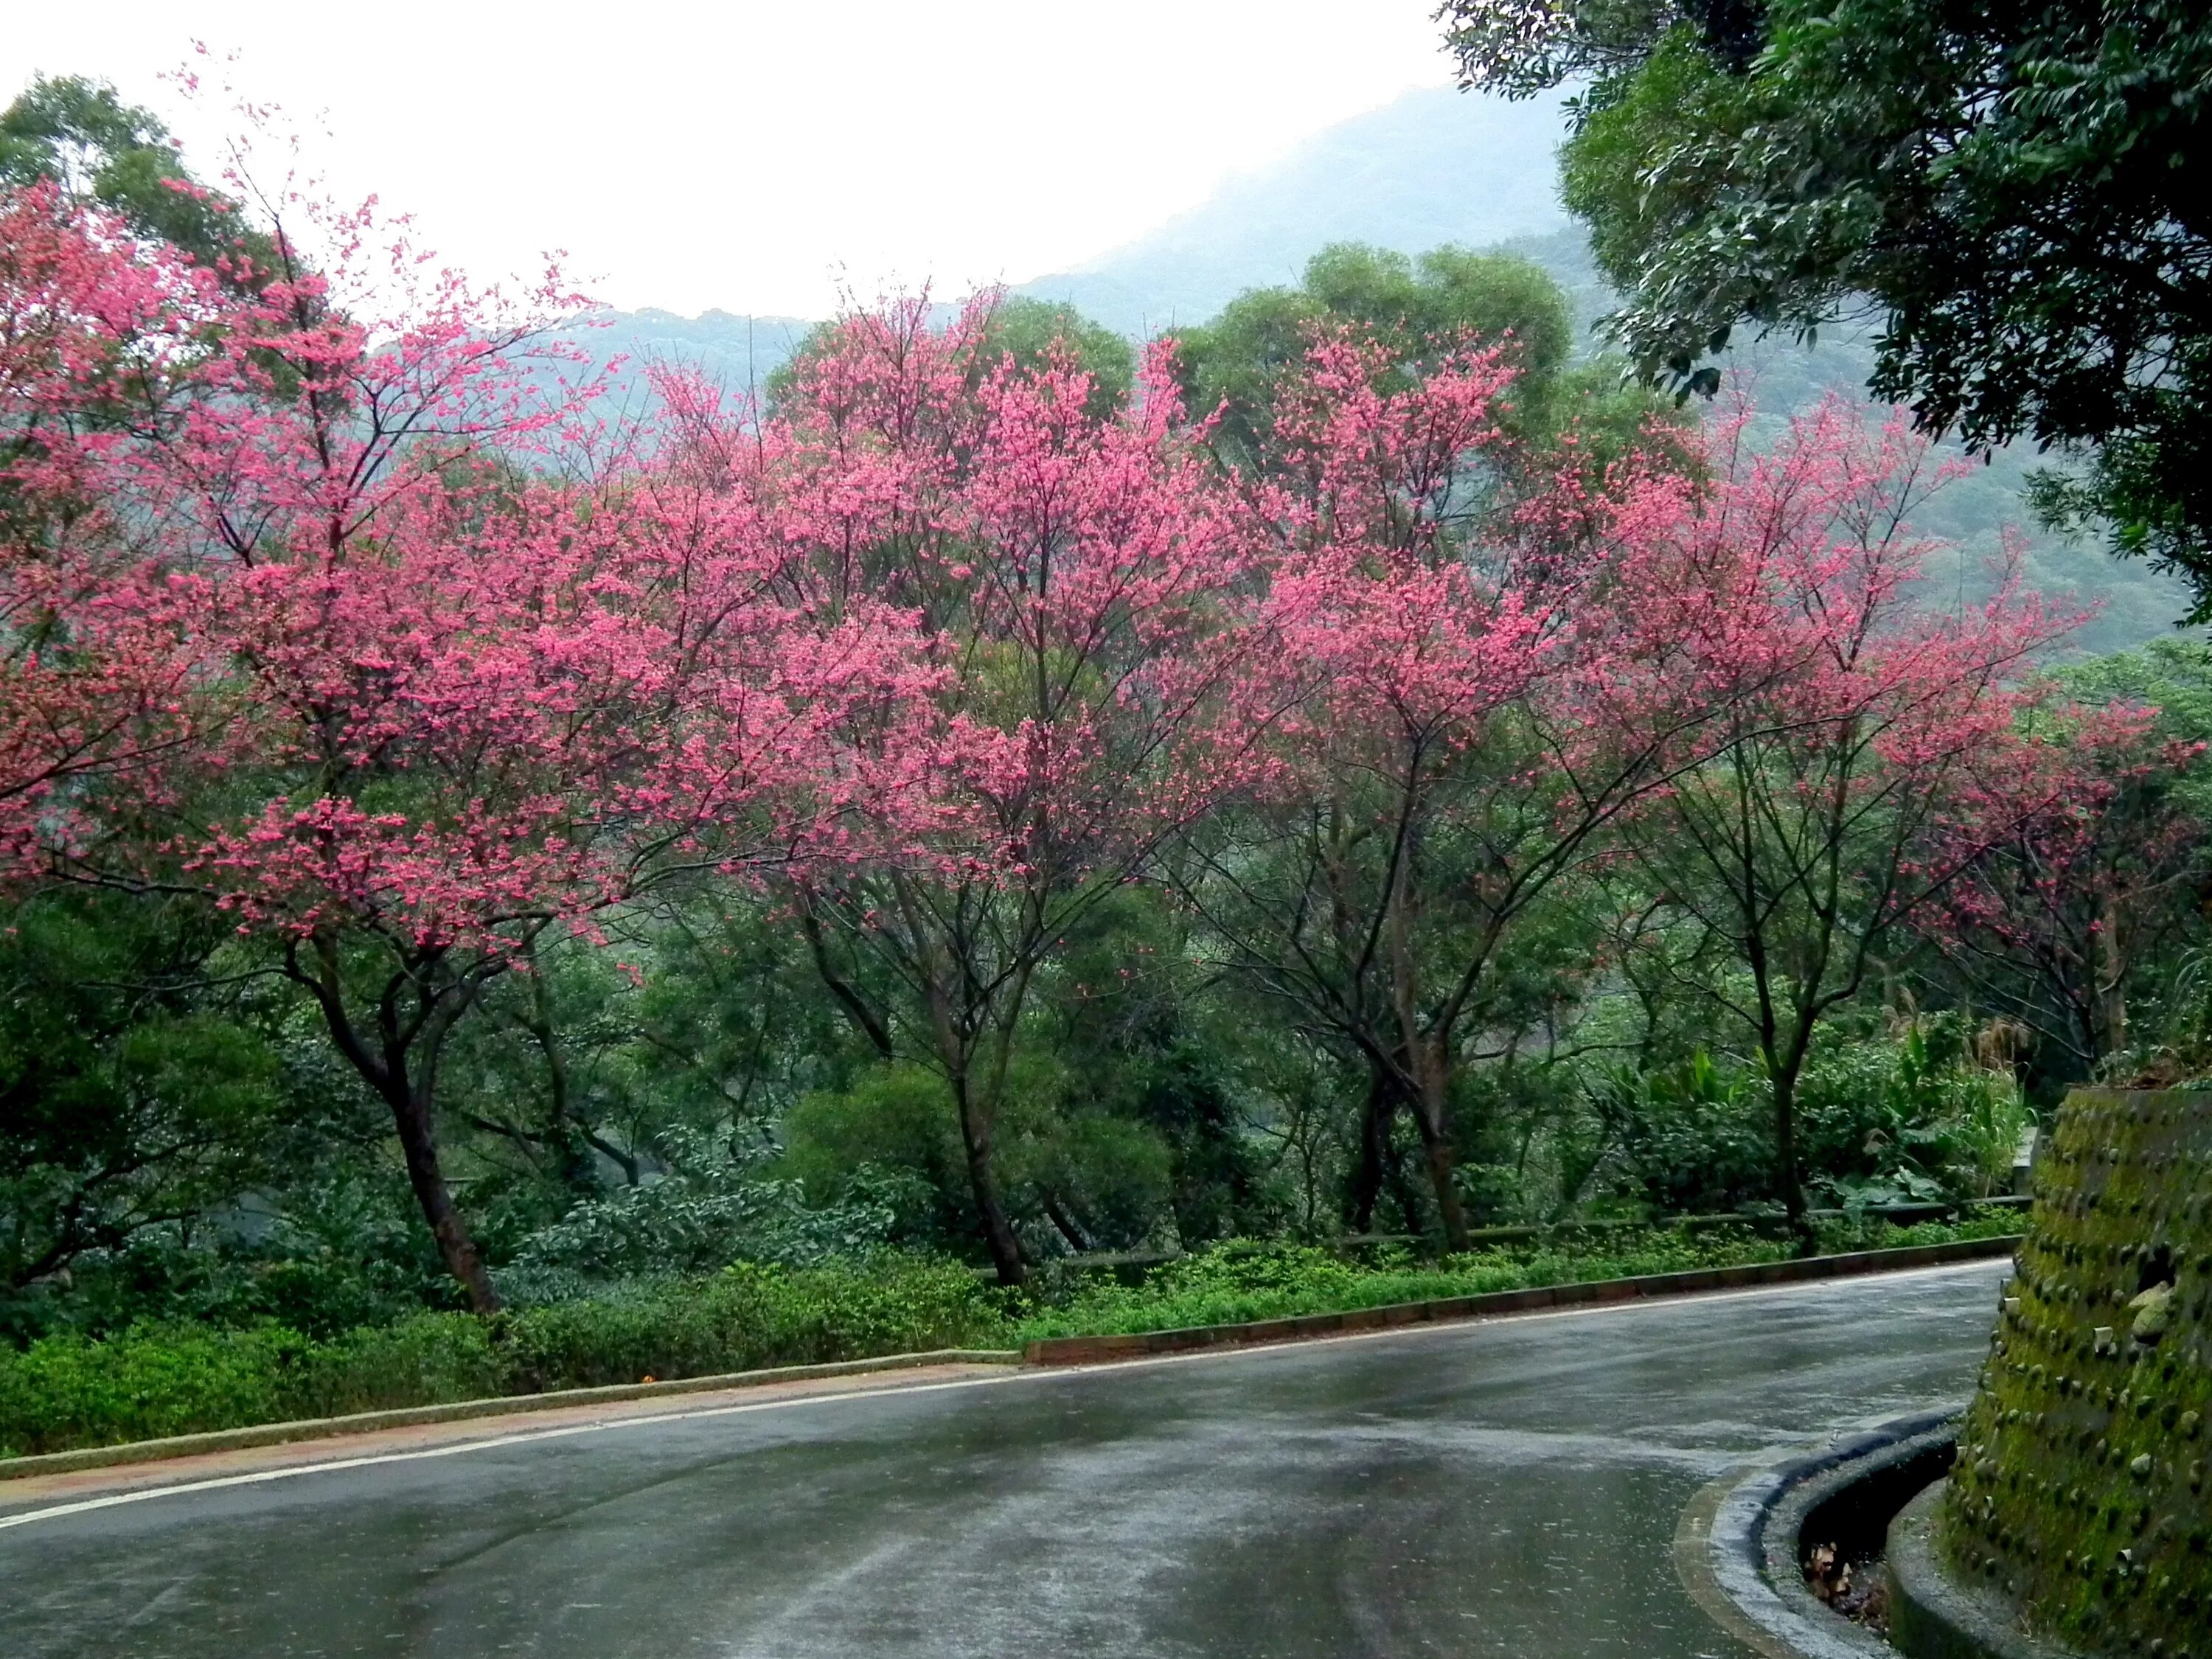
(1745, 1568)
(1933, 1615)
(1086, 1350)
(325, 1428)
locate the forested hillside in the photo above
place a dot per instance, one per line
(1439, 167)
(1433, 167)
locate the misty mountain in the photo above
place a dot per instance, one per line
(1434, 166)
(1437, 167)
(736, 352)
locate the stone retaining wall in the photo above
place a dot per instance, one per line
(2078, 1489)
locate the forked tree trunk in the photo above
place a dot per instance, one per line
(998, 1234)
(409, 1090)
(1432, 1117)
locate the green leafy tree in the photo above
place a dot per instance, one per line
(80, 134)
(1027, 331)
(1413, 307)
(131, 1097)
(2006, 189)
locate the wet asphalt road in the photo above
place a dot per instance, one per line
(1494, 1489)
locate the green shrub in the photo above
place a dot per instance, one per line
(749, 1316)
(1840, 1235)
(424, 1359)
(715, 1205)
(1694, 1138)
(1241, 1281)
(155, 1380)
(1882, 1120)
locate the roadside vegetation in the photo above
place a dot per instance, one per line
(487, 907)
(152, 1379)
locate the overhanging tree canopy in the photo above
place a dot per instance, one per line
(2005, 188)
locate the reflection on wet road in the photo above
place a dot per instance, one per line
(1494, 1489)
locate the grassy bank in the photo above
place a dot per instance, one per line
(150, 1381)
(64, 1391)
(1231, 1286)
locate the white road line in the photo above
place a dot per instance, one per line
(262, 1477)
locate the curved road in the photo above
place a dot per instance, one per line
(1507, 1488)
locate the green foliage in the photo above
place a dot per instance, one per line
(1906, 1120)
(126, 1103)
(750, 1315)
(161, 1379)
(2008, 186)
(712, 1207)
(69, 1390)
(81, 135)
(1415, 308)
(156, 1379)
(1149, 1070)
(1243, 1280)
(1076, 1175)
(1694, 1138)
(1910, 1121)
(1867, 1230)
(1027, 331)
(895, 1117)
(2173, 679)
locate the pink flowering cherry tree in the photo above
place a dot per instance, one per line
(469, 693)
(1870, 747)
(1460, 658)
(1082, 579)
(102, 682)
(2053, 915)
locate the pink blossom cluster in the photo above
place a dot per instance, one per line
(316, 605)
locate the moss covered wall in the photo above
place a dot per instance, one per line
(2079, 1482)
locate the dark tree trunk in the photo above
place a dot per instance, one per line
(1785, 1162)
(402, 1067)
(1432, 1117)
(571, 1142)
(411, 1116)
(998, 1236)
(865, 1019)
(1077, 1235)
(1375, 1117)
(1437, 1147)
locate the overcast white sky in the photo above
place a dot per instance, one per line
(754, 156)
